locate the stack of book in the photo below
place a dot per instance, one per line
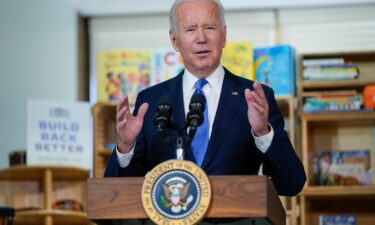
(327, 101)
(329, 69)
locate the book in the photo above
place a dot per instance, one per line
(275, 67)
(330, 93)
(329, 101)
(331, 72)
(121, 73)
(237, 57)
(322, 61)
(329, 69)
(341, 219)
(324, 104)
(341, 168)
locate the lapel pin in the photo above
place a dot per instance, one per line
(234, 93)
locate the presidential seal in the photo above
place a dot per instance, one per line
(176, 192)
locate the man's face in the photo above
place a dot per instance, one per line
(199, 36)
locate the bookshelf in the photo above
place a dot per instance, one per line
(104, 115)
(33, 190)
(287, 108)
(337, 130)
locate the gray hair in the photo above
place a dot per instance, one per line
(172, 14)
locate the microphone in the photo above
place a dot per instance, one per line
(195, 115)
(162, 118)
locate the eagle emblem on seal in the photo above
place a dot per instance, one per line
(176, 194)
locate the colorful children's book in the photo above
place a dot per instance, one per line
(237, 57)
(121, 73)
(275, 67)
(341, 168)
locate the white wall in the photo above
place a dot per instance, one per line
(38, 59)
(93, 8)
(313, 29)
(329, 29)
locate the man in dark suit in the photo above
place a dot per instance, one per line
(245, 126)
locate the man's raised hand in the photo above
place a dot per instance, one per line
(128, 126)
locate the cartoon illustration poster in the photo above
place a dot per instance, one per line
(165, 64)
(122, 72)
(237, 57)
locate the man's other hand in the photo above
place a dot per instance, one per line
(257, 112)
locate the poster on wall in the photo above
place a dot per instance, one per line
(121, 73)
(165, 64)
(237, 57)
(58, 133)
(124, 72)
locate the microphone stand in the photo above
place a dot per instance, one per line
(180, 148)
(181, 144)
(180, 151)
(190, 136)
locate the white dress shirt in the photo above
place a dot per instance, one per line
(212, 91)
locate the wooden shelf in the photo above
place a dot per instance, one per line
(105, 152)
(104, 115)
(334, 84)
(37, 173)
(284, 98)
(104, 105)
(335, 116)
(57, 216)
(337, 131)
(39, 187)
(350, 191)
(56, 212)
(339, 54)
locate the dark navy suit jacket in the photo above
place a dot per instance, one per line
(231, 149)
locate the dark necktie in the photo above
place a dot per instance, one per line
(200, 140)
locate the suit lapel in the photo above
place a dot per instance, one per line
(230, 97)
(175, 92)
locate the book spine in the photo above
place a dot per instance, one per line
(337, 219)
(326, 61)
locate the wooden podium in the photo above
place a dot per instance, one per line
(232, 197)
